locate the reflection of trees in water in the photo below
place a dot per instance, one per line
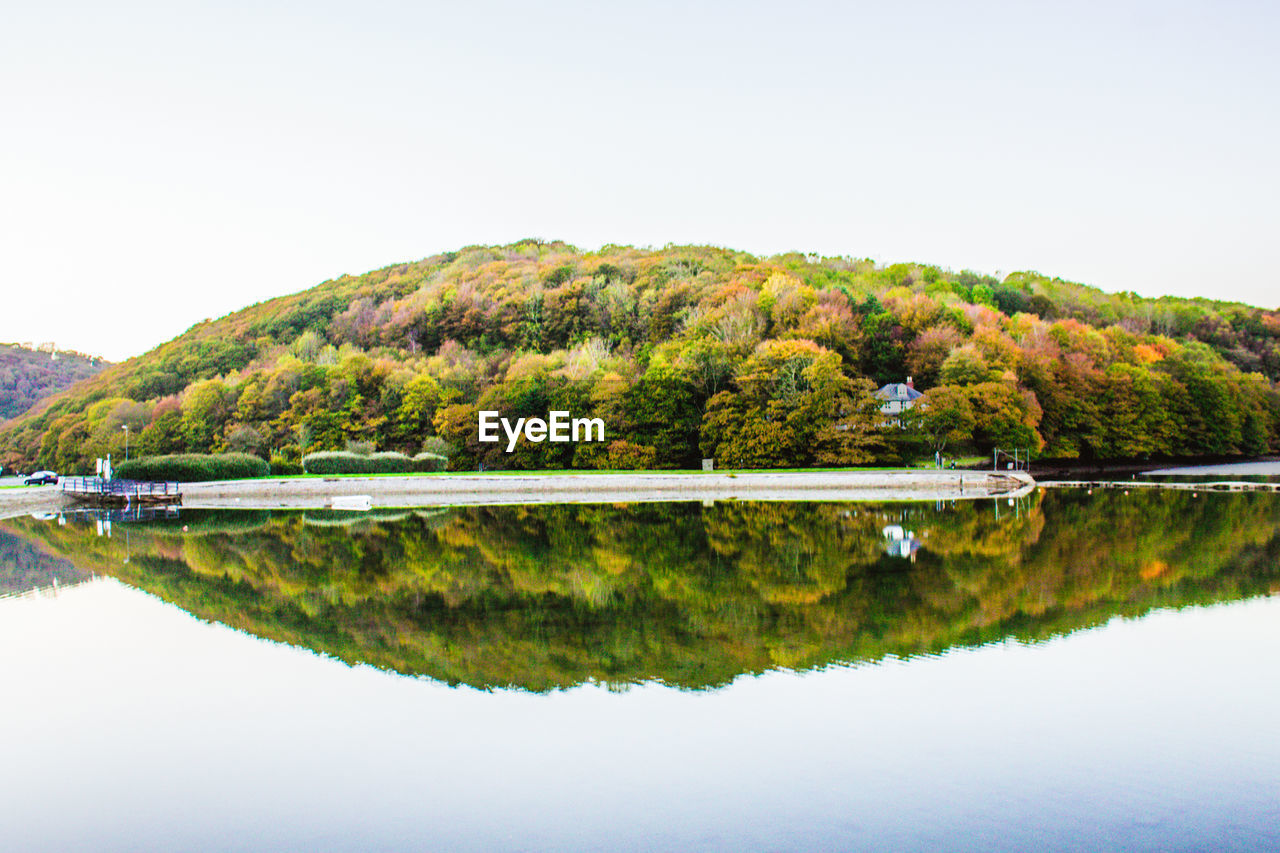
(548, 596)
(26, 566)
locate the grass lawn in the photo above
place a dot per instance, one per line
(583, 472)
(961, 461)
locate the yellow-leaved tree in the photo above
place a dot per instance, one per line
(791, 406)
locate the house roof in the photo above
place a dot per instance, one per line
(898, 391)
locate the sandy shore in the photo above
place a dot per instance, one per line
(468, 489)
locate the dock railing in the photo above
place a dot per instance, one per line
(1011, 459)
(127, 490)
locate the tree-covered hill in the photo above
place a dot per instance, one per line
(685, 351)
(27, 375)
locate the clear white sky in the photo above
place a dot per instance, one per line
(161, 163)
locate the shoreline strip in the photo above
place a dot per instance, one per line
(472, 489)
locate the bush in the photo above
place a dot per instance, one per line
(438, 446)
(430, 462)
(625, 456)
(282, 467)
(194, 467)
(343, 462)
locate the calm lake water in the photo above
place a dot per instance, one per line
(1065, 672)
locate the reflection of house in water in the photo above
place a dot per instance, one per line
(900, 542)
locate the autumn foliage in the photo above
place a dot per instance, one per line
(685, 352)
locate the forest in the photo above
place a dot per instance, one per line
(29, 375)
(685, 352)
(546, 597)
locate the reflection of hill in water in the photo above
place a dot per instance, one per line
(26, 566)
(550, 596)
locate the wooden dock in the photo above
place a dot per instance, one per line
(100, 492)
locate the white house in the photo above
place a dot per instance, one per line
(896, 397)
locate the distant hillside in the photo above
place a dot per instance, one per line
(27, 376)
(685, 351)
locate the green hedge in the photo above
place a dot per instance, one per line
(344, 462)
(194, 467)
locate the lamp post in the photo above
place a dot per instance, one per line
(126, 442)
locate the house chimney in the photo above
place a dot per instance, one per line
(910, 384)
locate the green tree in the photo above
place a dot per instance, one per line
(945, 417)
(661, 411)
(1004, 416)
(205, 408)
(793, 406)
(966, 366)
(413, 419)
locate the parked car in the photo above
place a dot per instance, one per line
(42, 478)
